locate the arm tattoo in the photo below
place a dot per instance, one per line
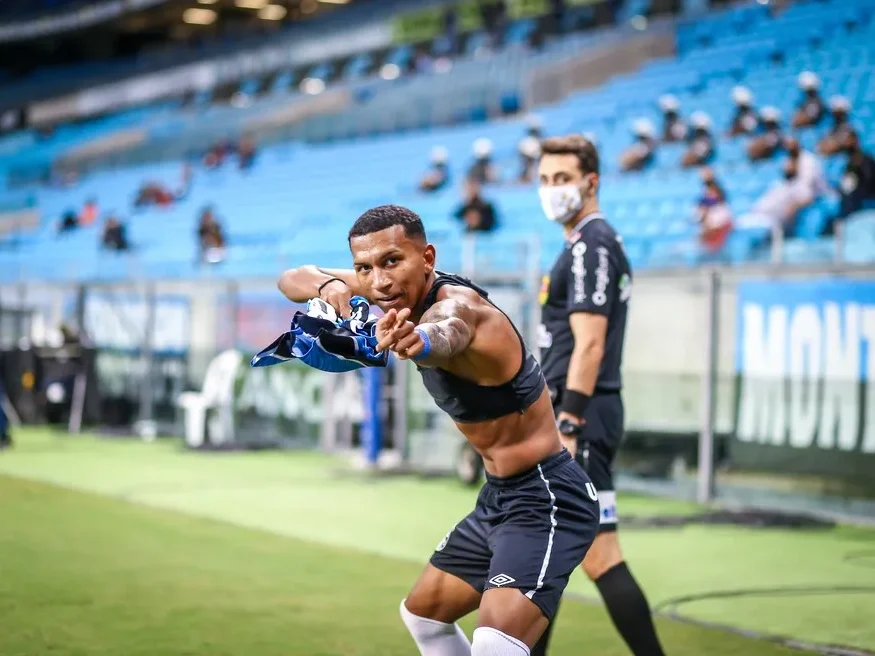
(450, 329)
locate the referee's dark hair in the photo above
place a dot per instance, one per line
(573, 144)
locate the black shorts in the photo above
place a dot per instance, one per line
(528, 531)
(597, 448)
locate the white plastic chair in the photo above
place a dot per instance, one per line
(217, 394)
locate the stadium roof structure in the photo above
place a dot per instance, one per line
(52, 33)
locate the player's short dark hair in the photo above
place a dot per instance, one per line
(574, 144)
(386, 216)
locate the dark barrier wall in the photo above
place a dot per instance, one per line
(40, 382)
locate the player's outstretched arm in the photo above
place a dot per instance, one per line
(334, 286)
(445, 331)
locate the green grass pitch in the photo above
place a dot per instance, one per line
(119, 547)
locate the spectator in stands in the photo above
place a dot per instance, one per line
(640, 154)
(476, 212)
(673, 127)
(88, 215)
(210, 237)
(804, 182)
(246, 153)
(154, 193)
(701, 141)
(438, 175)
(834, 142)
(69, 222)
(530, 152)
(114, 236)
(811, 110)
(483, 171)
(770, 138)
(713, 213)
(745, 121)
(216, 155)
(534, 127)
(858, 181)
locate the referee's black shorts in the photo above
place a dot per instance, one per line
(597, 447)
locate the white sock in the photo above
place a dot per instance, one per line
(492, 642)
(435, 638)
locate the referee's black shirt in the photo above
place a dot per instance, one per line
(591, 275)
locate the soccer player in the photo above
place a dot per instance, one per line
(537, 513)
(583, 325)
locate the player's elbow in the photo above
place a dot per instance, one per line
(289, 284)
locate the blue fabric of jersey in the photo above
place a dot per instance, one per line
(333, 345)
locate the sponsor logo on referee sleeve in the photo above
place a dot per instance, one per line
(607, 507)
(545, 337)
(544, 294)
(578, 270)
(602, 279)
(625, 287)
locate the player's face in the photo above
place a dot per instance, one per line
(560, 170)
(392, 268)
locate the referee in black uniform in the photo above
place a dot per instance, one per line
(584, 305)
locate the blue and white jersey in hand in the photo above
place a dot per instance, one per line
(322, 340)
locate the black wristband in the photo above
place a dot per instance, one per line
(574, 402)
(319, 289)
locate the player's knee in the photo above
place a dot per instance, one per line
(424, 603)
(421, 627)
(432, 602)
(604, 554)
(492, 642)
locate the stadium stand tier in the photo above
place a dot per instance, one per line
(296, 202)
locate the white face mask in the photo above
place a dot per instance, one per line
(561, 203)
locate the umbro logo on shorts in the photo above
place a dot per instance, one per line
(501, 579)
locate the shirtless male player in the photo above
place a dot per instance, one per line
(537, 513)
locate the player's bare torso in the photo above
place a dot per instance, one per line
(515, 442)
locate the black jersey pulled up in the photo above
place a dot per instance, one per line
(464, 400)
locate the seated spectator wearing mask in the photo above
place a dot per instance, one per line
(745, 120)
(477, 213)
(804, 182)
(713, 213)
(211, 238)
(114, 237)
(438, 175)
(246, 153)
(811, 109)
(834, 142)
(69, 221)
(701, 141)
(770, 138)
(530, 152)
(640, 154)
(89, 213)
(857, 186)
(673, 127)
(534, 127)
(482, 170)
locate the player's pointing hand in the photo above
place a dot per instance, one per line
(393, 327)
